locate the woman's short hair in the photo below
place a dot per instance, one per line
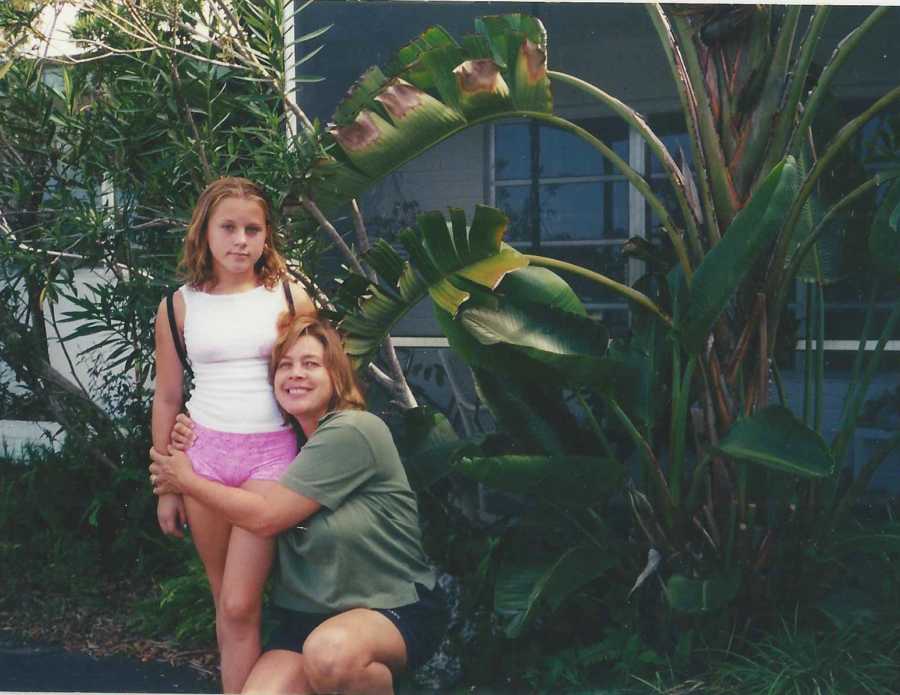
(347, 392)
(196, 264)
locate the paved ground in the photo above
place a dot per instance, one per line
(52, 669)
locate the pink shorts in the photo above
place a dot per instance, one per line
(232, 459)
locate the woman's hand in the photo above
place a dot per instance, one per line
(182, 436)
(168, 473)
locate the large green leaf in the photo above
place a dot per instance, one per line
(775, 438)
(441, 259)
(534, 324)
(429, 446)
(728, 262)
(571, 345)
(433, 88)
(533, 412)
(524, 395)
(521, 592)
(582, 480)
(530, 293)
(884, 238)
(702, 595)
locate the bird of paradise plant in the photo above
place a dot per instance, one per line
(730, 487)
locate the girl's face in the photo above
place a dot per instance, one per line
(236, 234)
(303, 385)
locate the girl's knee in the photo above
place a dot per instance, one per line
(239, 607)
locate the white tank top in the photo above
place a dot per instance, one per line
(229, 338)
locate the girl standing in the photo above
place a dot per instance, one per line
(225, 317)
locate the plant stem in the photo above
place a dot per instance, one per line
(797, 78)
(657, 147)
(634, 178)
(862, 481)
(595, 425)
(689, 108)
(846, 46)
(777, 276)
(820, 347)
(779, 384)
(647, 455)
(626, 291)
(861, 348)
(719, 176)
(848, 426)
(677, 433)
(807, 353)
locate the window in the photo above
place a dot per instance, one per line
(847, 297)
(566, 201)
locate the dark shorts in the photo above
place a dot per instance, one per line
(422, 625)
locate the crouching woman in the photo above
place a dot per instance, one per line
(356, 595)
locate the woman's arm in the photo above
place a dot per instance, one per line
(265, 515)
(167, 401)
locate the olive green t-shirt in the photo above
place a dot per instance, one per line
(363, 548)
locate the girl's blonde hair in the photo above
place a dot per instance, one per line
(196, 265)
(347, 392)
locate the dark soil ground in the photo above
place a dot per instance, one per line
(54, 642)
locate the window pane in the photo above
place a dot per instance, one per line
(569, 211)
(670, 128)
(663, 190)
(566, 154)
(614, 134)
(512, 158)
(561, 153)
(513, 200)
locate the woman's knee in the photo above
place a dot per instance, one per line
(332, 659)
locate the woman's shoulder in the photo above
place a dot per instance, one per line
(367, 424)
(351, 417)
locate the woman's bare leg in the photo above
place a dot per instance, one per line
(278, 672)
(240, 601)
(358, 651)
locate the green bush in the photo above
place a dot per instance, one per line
(65, 520)
(182, 606)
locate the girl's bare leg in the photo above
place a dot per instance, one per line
(210, 533)
(240, 601)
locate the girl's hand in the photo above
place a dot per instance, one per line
(171, 515)
(168, 473)
(182, 435)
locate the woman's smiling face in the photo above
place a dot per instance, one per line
(303, 385)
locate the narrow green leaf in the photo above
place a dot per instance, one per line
(728, 263)
(385, 261)
(438, 241)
